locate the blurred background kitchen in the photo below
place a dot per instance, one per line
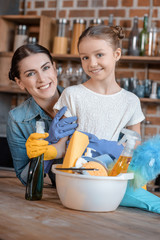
(57, 25)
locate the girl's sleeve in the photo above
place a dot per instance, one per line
(64, 100)
(138, 115)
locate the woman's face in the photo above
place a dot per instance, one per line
(38, 76)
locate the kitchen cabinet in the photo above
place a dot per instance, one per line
(41, 27)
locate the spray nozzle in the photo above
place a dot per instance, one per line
(129, 136)
(40, 127)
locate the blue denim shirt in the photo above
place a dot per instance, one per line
(21, 123)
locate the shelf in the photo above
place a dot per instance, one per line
(71, 57)
(142, 59)
(11, 89)
(6, 54)
(16, 90)
(25, 19)
(150, 100)
(65, 57)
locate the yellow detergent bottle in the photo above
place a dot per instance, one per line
(121, 166)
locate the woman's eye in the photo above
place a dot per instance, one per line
(30, 74)
(46, 68)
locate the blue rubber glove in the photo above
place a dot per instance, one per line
(103, 146)
(61, 127)
(142, 199)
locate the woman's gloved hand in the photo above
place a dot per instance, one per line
(36, 146)
(61, 127)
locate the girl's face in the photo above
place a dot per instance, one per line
(38, 76)
(98, 58)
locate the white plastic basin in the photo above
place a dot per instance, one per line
(90, 193)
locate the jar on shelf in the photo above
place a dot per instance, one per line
(144, 37)
(60, 44)
(133, 43)
(152, 49)
(21, 36)
(96, 21)
(110, 20)
(32, 40)
(79, 26)
(147, 87)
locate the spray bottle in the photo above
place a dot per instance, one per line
(122, 164)
(34, 186)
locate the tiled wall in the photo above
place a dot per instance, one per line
(123, 11)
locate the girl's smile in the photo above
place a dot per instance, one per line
(96, 71)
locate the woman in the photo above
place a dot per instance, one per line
(33, 69)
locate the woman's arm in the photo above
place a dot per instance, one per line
(16, 141)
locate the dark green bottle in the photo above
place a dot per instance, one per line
(144, 37)
(34, 186)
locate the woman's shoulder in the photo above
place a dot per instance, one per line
(18, 113)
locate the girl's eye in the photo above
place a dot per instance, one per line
(99, 55)
(84, 58)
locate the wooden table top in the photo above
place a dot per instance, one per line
(48, 219)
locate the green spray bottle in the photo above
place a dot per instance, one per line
(34, 186)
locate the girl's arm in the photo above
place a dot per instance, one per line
(60, 147)
(136, 128)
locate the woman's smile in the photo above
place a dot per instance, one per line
(45, 86)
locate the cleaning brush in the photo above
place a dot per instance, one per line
(145, 162)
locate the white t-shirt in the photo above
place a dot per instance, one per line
(101, 115)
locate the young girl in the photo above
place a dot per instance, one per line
(102, 107)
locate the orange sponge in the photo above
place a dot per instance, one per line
(102, 171)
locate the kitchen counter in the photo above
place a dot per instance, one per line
(48, 219)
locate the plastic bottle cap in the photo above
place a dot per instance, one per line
(89, 153)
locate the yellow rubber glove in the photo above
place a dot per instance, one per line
(51, 153)
(36, 146)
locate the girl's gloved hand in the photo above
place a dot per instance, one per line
(102, 146)
(36, 146)
(61, 127)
